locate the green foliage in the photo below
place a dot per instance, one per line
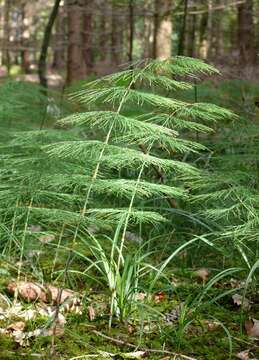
(20, 101)
(226, 192)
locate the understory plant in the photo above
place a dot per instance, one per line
(128, 143)
(227, 195)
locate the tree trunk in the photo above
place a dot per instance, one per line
(88, 38)
(76, 67)
(6, 34)
(25, 36)
(203, 39)
(181, 45)
(191, 35)
(148, 39)
(210, 27)
(104, 33)
(59, 59)
(118, 25)
(217, 34)
(246, 33)
(163, 29)
(45, 44)
(131, 30)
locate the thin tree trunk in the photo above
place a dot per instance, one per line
(58, 47)
(6, 53)
(148, 39)
(45, 44)
(202, 38)
(191, 33)
(131, 30)
(246, 34)
(25, 55)
(87, 36)
(209, 42)
(218, 34)
(76, 67)
(104, 33)
(117, 34)
(155, 31)
(183, 30)
(163, 29)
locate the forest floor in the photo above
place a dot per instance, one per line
(168, 323)
(55, 80)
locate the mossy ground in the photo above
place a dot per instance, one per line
(215, 331)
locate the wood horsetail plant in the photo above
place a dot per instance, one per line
(127, 145)
(140, 129)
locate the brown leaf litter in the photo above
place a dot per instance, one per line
(31, 292)
(252, 328)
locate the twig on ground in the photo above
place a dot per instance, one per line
(124, 343)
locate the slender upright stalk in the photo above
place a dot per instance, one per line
(123, 238)
(94, 176)
(183, 30)
(131, 30)
(42, 66)
(22, 250)
(6, 26)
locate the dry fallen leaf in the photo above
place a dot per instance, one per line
(174, 314)
(243, 355)
(129, 236)
(34, 228)
(252, 328)
(45, 239)
(74, 306)
(202, 274)
(16, 329)
(134, 355)
(131, 329)
(93, 229)
(45, 311)
(55, 330)
(30, 291)
(130, 355)
(22, 338)
(140, 296)
(28, 314)
(159, 296)
(34, 253)
(211, 325)
(61, 320)
(50, 311)
(17, 326)
(91, 313)
(12, 311)
(234, 283)
(149, 328)
(100, 308)
(27, 291)
(60, 295)
(237, 300)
